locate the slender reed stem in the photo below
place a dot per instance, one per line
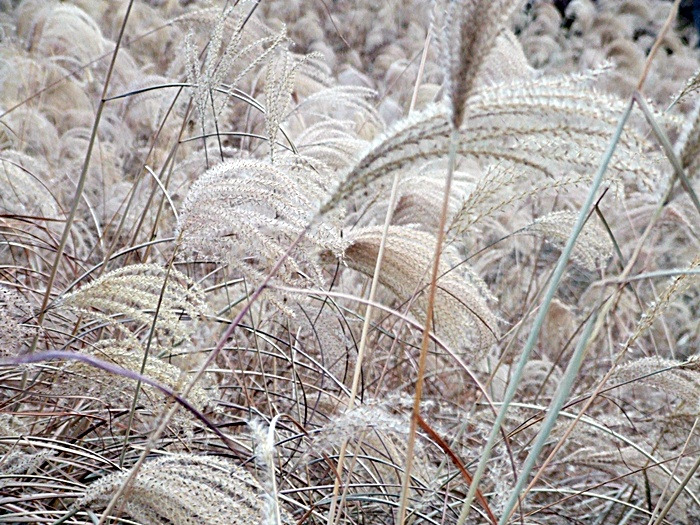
(542, 313)
(369, 310)
(81, 181)
(373, 288)
(425, 341)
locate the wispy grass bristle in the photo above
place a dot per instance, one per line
(184, 489)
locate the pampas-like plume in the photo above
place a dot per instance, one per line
(279, 82)
(131, 294)
(503, 186)
(678, 379)
(62, 31)
(471, 28)
(14, 461)
(221, 60)
(593, 246)
(247, 212)
(418, 194)
(691, 86)
(24, 180)
(15, 311)
(462, 314)
(624, 460)
(79, 379)
(377, 429)
(185, 489)
(542, 126)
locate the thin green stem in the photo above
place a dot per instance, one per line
(555, 407)
(542, 313)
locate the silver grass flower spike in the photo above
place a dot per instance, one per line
(462, 315)
(187, 490)
(131, 294)
(543, 127)
(593, 247)
(77, 378)
(471, 28)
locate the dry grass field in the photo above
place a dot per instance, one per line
(336, 262)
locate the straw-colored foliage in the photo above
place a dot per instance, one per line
(193, 199)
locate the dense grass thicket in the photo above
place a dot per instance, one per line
(349, 262)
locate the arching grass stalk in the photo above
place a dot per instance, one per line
(425, 341)
(555, 407)
(557, 276)
(542, 313)
(671, 272)
(81, 181)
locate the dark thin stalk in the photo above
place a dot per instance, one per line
(81, 181)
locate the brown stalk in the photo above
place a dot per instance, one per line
(369, 307)
(457, 463)
(425, 341)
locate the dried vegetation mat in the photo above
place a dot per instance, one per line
(311, 262)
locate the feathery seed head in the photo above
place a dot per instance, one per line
(544, 126)
(132, 293)
(666, 375)
(593, 246)
(675, 287)
(264, 440)
(687, 146)
(248, 212)
(185, 489)
(462, 314)
(79, 379)
(470, 30)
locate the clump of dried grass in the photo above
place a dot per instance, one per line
(245, 154)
